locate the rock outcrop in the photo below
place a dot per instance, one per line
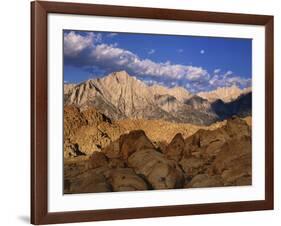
(176, 148)
(160, 172)
(179, 93)
(130, 162)
(81, 177)
(205, 181)
(125, 179)
(234, 161)
(134, 141)
(86, 132)
(224, 152)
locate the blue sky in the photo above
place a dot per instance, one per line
(195, 63)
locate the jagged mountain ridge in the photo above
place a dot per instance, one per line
(226, 94)
(241, 107)
(179, 93)
(121, 96)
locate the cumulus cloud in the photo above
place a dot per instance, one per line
(228, 73)
(221, 80)
(75, 43)
(88, 52)
(216, 71)
(112, 58)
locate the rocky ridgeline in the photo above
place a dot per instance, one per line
(208, 158)
(226, 94)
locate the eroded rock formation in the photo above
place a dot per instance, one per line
(131, 161)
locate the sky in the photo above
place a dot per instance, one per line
(193, 62)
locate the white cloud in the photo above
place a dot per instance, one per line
(151, 51)
(202, 51)
(216, 71)
(220, 80)
(112, 57)
(75, 43)
(228, 73)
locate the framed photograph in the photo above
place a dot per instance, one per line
(147, 112)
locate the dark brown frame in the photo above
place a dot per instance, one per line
(39, 107)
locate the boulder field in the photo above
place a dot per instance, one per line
(132, 162)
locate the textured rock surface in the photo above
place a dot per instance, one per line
(234, 162)
(176, 148)
(125, 179)
(81, 177)
(193, 166)
(179, 93)
(88, 182)
(204, 180)
(98, 159)
(86, 132)
(160, 130)
(134, 141)
(160, 172)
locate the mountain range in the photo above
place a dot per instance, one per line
(226, 94)
(120, 96)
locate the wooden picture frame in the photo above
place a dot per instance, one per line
(39, 112)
